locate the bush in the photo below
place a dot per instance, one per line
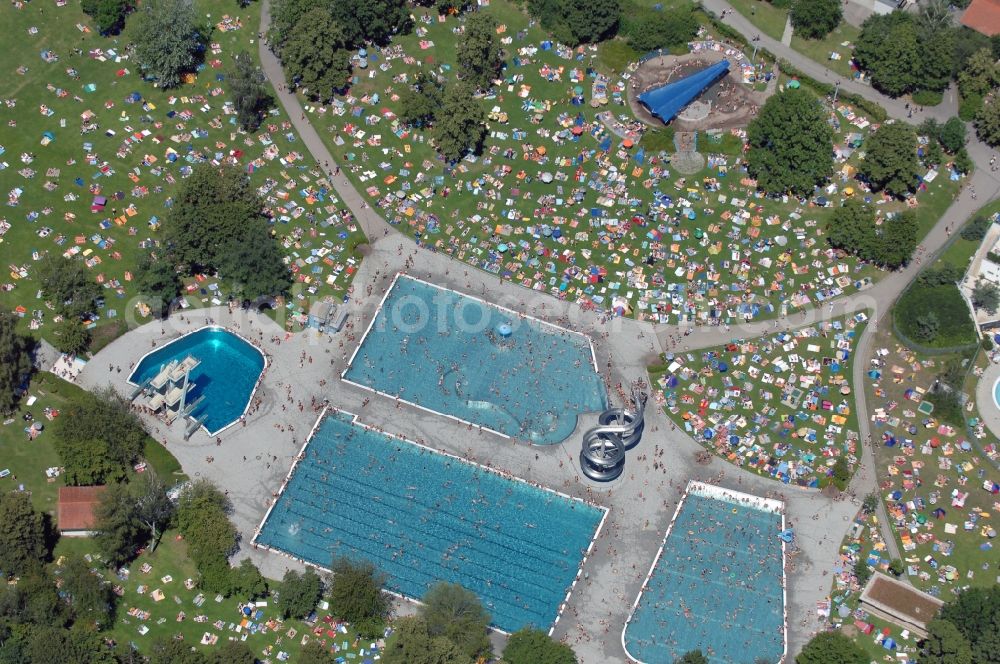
(927, 98)
(955, 327)
(356, 594)
(299, 593)
(969, 106)
(975, 230)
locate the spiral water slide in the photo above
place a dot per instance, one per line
(602, 458)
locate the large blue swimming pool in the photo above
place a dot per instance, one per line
(716, 587)
(422, 517)
(459, 356)
(226, 377)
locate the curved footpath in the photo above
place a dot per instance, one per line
(820, 539)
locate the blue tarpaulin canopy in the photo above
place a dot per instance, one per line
(667, 101)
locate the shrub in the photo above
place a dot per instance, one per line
(975, 230)
(969, 106)
(955, 327)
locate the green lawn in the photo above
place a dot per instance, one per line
(171, 567)
(768, 18)
(840, 41)
(780, 395)
(135, 158)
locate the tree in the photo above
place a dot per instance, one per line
(315, 55)
(577, 22)
(151, 505)
(314, 653)
(937, 57)
(927, 326)
(157, 279)
(862, 572)
(48, 644)
(24, 534)
(791, 144)
(285, 14)
(852, 228)
(203, 519)
(372, 20)
(933, 155)
(533, 646)
(980, 74)
(356, 594)
(897, 240)
(988, 121)
(171, 651)
(33, 600)
(478, 51)
(98, 438)
(412, 644)
(118, 533)
(217, 224)
(109, 15)
(870, 503)
(166, 40)
(67, 285)
(660, 29)
(890, 161)
(15, 363)
(92, 599)
(457, 614)
(840, 473)
(896, 567)
(888, 50)
(419, 103)
(986, 295)
(247, 581)
(831, 648)
(299, 593)
(234, 652)
(70, 336)
(815, 19)
(952, 135)
(461, 125)
(963, 162)
(976, 614)
(692, 657)
(945, 644)
(247, 89)
(975, 230)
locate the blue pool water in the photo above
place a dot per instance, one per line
(422, 517)
(458, 356)
(227, 374)
(716, 587)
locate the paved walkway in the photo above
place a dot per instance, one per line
(786, 36)
(984, 397)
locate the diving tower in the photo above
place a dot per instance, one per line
(602, 457)
(168, 390)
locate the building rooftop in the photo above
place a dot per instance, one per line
(983, 16)
(900, 600)
(76, 507)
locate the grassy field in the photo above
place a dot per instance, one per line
(775, 405)
(189, 614)
(768, 18)
(613, 227)
(840, 41)
(134, 156)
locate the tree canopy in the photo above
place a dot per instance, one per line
(132, 514)
(791, 144)
(888, 50)
(24, 534)
(315, 54)
(478, 51)
(98, 438)
(945, 644)
(70, 336)
(248, 91)
(453, 612)
(356, 594)
(890, 161)
(216, 224)
(67, 285)
(831, 648)
(533, 646)
(108, 15)
(157, 279)
(372, 20)
(952, 135)
(815, 19)
(577, 22)
(420, 101)
(299, 593)
(692, 657)
(460, 127)
(166, 39)
(976, 614)
(91, 599)
(15, 362)
(853, 228)
(411, 643)
(988, 120)
(651, 30)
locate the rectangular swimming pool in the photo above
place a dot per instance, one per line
(479, 363)
(422, 516)
(717, 584)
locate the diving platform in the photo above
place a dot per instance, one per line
(168, 390)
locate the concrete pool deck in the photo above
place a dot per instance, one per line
(988, 408)
(252, 461)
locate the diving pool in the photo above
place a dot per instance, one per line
(227, 376)
(479, 363)
(717, 584)
(421, 517)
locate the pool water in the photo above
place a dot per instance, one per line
(421, 517)
(226, 377)
(459, 356)
(716, 587)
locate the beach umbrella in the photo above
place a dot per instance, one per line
(578, 89)
(556, 233)
(627, 143)
(794, 85)
(541, 149)
(577, 130)
(547, 177)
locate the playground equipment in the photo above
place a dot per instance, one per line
(602, 458)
